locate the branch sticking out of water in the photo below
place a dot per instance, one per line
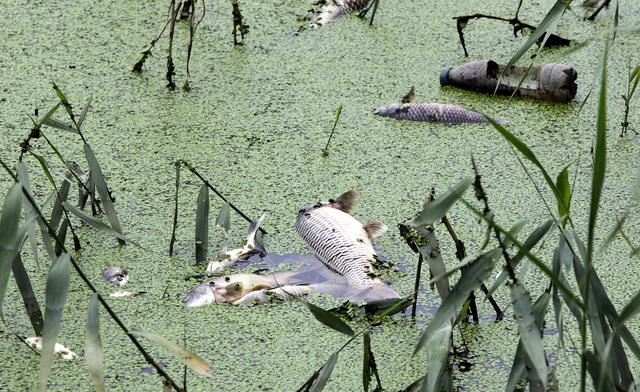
(172, 25)
(137, 67)
(238, 25)
(518, 26)
(603, 4)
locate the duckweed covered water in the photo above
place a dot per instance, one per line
(254, 123)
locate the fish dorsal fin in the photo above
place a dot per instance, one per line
(411, 96)
(346, 201)
(375, 228)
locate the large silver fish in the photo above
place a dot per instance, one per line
(333, 9)
(431, 112)
(344, 244)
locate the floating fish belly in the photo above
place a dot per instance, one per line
(340, 242)
(431, 112)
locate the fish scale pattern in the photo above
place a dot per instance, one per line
(431, 112)
(339, 241)
(334, 9)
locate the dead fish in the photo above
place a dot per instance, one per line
(59, 350)
(116, 276)
(431, 112)
(250, 246)
(282, 293)
(230, 288)
(333, 9)
(343, 243)
(126, 293)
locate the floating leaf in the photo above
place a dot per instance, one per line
(224, 218)
(9, 220)
(195, 362)
(94, 356)
(479, 270)
(55, 298)
(530, 332)
(435, 210)
(202, 224)
(103, 191)
(329, 319)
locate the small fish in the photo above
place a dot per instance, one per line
(230, 288)
(250, 246)
(116, 276)
(431, 112)
(59, 350)
(333, 9)
(125, 293)
(343, 243)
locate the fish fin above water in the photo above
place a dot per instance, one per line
(375, 228)
(411, 96)
(346, 201)
(377, 291)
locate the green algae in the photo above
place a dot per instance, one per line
(254, 123)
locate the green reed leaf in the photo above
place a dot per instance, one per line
(11, 211)
(93, 352)
(329, 319)
(202, 224)
(435, 210)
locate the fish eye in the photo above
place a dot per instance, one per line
(226, 278)
(332, 201)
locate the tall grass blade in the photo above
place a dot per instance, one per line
(549, 20)
(366, 361)
(479, 270)
(56, 296)
(600, 157)
(57, 212)
(515, 230)
(23, 178)
(438, 354)
(96, 223)
(103, 191)
(85, 110)
(324, 374)
(536, 236)
(564, 189)
(62, 235)
(435, 210)
(11, 211)
(202, 224)
(530, 332)
(47, 115)
(57, 124)
(94, 356)
(31, 304)
(194, 361)
(329, 319)
(224, 218)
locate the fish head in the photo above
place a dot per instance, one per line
(387, 110)
(211, 292)
(116, 276)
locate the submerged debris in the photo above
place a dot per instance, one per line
(59, 350)
(333, 9)
(553, 82)
(116, 276)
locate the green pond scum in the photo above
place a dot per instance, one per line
(255, 123)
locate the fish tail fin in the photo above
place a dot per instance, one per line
(253, 242)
